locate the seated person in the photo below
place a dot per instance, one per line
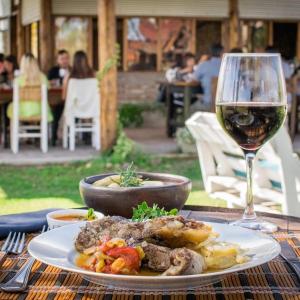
(56, 76)
(58, 72)
(184, 73)
(171, 72)
(2, 70)
(286, 67)
(11, 69)
(80, 70)
(30, 75)
(206, 71)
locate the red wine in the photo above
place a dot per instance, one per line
(251, 124)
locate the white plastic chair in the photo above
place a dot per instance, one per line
(82, 102)
(276, 169)
(19, 130)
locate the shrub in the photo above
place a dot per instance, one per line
(131, 115)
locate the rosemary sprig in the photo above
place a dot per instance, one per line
(129, 177)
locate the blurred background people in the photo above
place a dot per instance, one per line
(206, 70)
(11, 69)
(30, 75)
(203, 58)
(57, 73)
(2, 70)
(184, 73)
(286, 67)
(81, 69)
(56, 77)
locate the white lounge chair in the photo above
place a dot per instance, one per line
(276, 169)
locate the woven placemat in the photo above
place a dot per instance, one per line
(274, 280)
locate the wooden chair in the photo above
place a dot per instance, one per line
(38, 127)
(178, 114)
(276, 171)
(82, 103)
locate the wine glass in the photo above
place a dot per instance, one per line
(251, 105)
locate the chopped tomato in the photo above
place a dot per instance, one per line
(130, 256)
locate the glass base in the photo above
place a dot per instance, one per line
(256, 224)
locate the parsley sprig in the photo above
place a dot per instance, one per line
(144, 212)
(90, 214)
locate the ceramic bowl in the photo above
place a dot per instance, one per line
(173, 193)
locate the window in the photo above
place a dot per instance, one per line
(71, 34)
(255, 36)
(141, 43)
(34, 45)
(176, 39)
(5, 10)
(207, 33)
(4, 36)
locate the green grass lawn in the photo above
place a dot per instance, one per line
(38, 187)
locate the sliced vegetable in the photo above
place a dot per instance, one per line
(130, 258)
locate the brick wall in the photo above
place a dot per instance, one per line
(138, 86)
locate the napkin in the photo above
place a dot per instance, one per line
(25, 222)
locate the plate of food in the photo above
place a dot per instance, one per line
(154, 251)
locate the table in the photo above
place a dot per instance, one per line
(6, 96)
(178, 86)
(270, 281)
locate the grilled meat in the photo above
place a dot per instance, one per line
(157, 258)
(163, 241)
(168, 231)
(180, 261)
(185, 262)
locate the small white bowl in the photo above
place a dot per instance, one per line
(54, 223)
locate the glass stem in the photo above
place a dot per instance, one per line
(249, 213)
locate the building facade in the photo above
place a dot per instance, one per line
(152, 34)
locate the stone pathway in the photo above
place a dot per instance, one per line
(29, 155)
(152, 140)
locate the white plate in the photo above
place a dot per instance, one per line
(56, 248)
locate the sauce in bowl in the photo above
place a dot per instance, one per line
(70, 218)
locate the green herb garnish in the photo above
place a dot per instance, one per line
(129, 177)
(90, 215)
(144, 212)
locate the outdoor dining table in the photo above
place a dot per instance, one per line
(273, 280)
(187, 89)
(6, 96)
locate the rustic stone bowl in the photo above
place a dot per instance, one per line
(120, 201)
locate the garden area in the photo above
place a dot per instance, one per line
(31, 188)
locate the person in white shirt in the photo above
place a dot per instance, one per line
(205, 71)
(286, 67)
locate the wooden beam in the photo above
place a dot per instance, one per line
(45, 35)
(225, 35)
(270, 33)
(159, 49)
(125, 44)
(20, 33)
(90, 41)
(193, 37)
(298, 41)
(108, 85)
(234, 34)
